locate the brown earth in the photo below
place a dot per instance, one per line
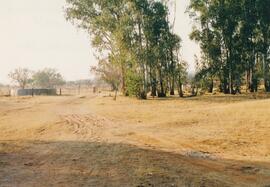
(209, 141)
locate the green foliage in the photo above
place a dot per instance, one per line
(135, 85)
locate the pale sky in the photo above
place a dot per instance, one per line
(34, 34)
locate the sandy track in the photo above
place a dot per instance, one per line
(72, 141)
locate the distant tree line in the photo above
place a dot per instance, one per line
(138, 52)
(46, 78)
(234, 40)
(84, 82)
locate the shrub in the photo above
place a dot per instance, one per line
(135, 85)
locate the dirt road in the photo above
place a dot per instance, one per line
(95, 141)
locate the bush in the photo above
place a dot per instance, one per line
(135, 85)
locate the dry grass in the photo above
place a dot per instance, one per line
(95, 141)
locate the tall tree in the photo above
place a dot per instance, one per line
(233, 35)
(135, 37)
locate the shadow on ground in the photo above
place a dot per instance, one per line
(221, 98)
(38, 163)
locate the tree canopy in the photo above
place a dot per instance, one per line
(47, 78)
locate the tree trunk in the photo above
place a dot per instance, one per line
(267, 85)
(231, 80)
(180, 90)
(266, 73)
(225, 83)
(161, 92)
(248, 85)
(172, 72)
(123, 74)
(153, 83)
(254, 82)
(238, 85)
(266, 76)
(193, 92)
(144, 92)
(154, 91)
(211, 86)
(115, 95)
(154, 88)
(172, 87)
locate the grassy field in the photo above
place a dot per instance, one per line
(92, 140)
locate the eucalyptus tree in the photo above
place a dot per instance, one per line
(181, 76)
(108, 24)
(262, 9)
(233, 35)
(134, 36)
